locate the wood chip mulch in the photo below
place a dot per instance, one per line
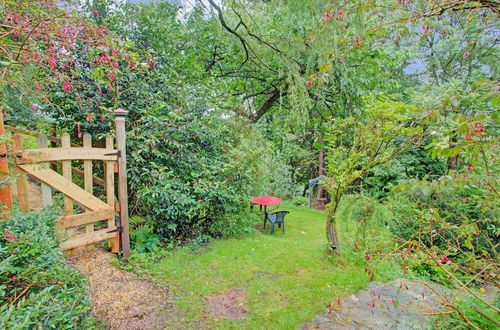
(121, 299)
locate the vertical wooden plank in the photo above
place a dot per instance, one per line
(22, 180)
(87, 176)
(66, 172)
(53, 132)
(109, 177)
(43, 142)
(120, 115)
(5, 193)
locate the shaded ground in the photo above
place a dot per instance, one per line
(227, 305)
(123, 301)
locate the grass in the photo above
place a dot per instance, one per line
(288, 279)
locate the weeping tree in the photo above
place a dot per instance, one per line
(356, 144)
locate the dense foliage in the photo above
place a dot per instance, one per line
(37, 287)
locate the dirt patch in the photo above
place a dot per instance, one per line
(228, 305)
(119, 298)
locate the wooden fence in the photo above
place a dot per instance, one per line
(95, 220)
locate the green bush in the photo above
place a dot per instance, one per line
(299, 201)
(37, 288)
(458, 219)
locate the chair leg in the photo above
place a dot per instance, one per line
(272, 228)
(265, 222)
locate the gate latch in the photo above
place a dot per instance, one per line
(118, 229)
(117, 154)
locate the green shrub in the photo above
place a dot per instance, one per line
(299, 201)
(455, 219)
(37, 288)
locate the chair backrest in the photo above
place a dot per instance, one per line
(280, 215)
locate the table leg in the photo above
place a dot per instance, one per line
(265, 215)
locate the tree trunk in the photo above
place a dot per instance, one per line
(331, 231)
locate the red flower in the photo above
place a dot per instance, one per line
(445, 260)
(308, 83)
(478, 129)
(340, 14)
(371, 278)
(328, 15)
(66, 87)
(33, 107)
(96, 13)
(105, 58)
(102, 118)
(131, 64)
(357, 41)
(10, 237)
(36, 56)
(468, 168)
(52, 62)
(466, 54)
(368, 257)
(80, 102)
(468, 136)
(115, 52)
(5, 114)
(339, 302)
(89, 118)
(13, 278)
(115, 64)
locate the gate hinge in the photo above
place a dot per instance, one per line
(118, 229)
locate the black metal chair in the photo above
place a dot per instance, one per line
(277, 218)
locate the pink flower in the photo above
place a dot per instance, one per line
(79, 130)
(445, 260)
(102, 118)
(111, 75)
(357, 41)
(89, 118)
(105, 58)
(115, 52)
(468, 136)
(339, 302)
(115, 64)
(36, 56)
(468, 168)
(79, 101)
(131, 64)
(52, 62)
(308, 83)
(5, 114)
(340, 14)
(10, 237)
(371, 278)
(66, 87)
(466, 54)
(96, 13)
(425, 28)
(328, 15)
(33, 107)
(13, 278)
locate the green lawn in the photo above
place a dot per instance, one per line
(288, 279)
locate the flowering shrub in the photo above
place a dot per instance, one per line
(37, 288)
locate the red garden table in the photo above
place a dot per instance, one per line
(266, 201)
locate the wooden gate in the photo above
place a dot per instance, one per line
(94, 219)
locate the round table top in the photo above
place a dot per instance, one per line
(266, 200)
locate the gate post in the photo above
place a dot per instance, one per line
(5, 195)
(120, 115)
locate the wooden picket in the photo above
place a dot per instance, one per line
(78, 229)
